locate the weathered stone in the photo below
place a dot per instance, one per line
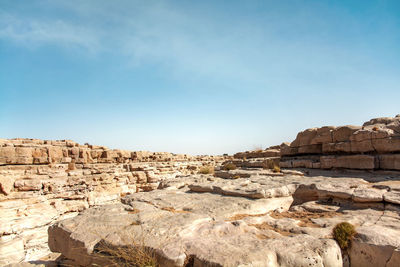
(55, 154)
(375, 246)
(350, 147)
(361, 146)
(342, 134)
(141, 176)
(7, 155)
(6, 184)
(209, 227)
(328, 162)
(203, 233)
(11, 249)
(389, 162)
(383, 120)
(310, 149)
(34, 194)
(386, 145)
(258, 154)
(343, 147)
(367, 195)
(304, 138)
(356, 162)
(28, 185)
(324, 135)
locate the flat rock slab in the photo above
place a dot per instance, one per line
(211, 221)
(258, 186)
(182, 226)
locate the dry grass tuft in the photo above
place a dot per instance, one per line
(229, 167)
(172, 209)
(276, 169)
(305, 217)
(265, 226)
(133, 211)
(242, 216)
(272, 165)
(207, 170)
(132, 256)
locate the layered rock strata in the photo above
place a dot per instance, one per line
(42, 182)
(266, 159)
(373, 146)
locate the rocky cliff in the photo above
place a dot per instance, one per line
(373, 146)
(43, 181)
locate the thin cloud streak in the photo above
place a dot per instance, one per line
(34, 33)
(186, 46)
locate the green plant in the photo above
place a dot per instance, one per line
(343, 233)
(206, 170)
(229, 167)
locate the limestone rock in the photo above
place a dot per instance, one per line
(42, 182)
(375, 145)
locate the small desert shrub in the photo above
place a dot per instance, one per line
(229, 167)
(343, 233)
(276, 169)
(206, 170)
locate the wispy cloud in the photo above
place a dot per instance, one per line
(34, 33)
(194, 44)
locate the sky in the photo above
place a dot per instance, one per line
(196, 77)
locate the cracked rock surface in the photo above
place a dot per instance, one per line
(258, 220)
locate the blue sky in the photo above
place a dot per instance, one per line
(198, 77)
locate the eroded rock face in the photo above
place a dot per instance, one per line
(375, 145)
(42, 182)
(74, 198)
(258, 220)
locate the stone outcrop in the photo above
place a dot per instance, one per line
(22, 151)
(270, 152)
(375, 145)
(265, 159)
(185, 210)
(42, 182)
(257, 220)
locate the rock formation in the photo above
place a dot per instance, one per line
(373, 146)
(86, 202)
(42, 182)
(261, 220)
(267, 158)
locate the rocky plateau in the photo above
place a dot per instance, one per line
(65, 204)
